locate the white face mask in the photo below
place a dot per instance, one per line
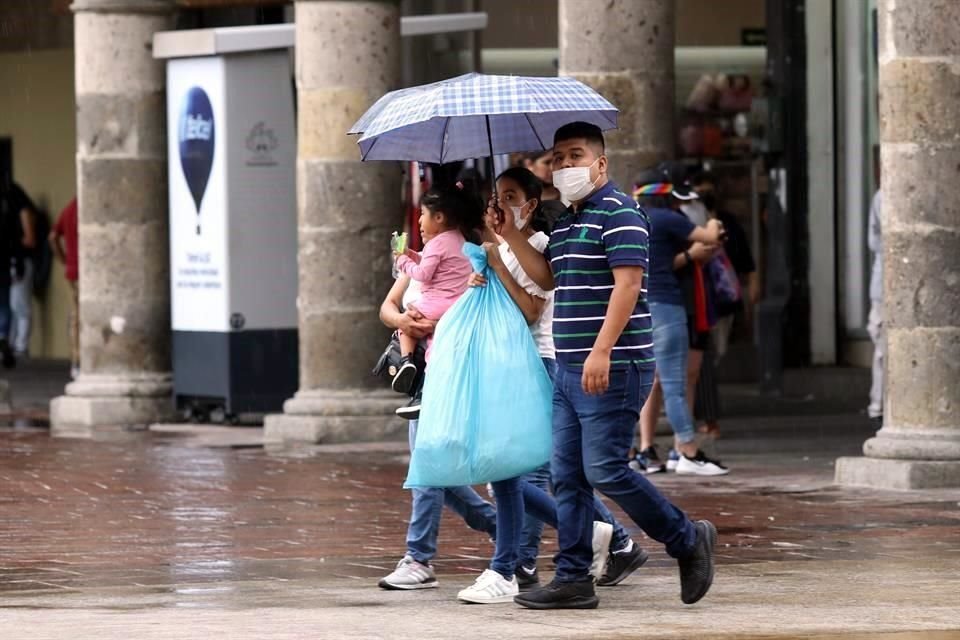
(574, 183)
(518, 216)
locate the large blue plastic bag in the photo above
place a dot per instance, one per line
(487, 406)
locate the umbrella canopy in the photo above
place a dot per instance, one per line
(476, 115)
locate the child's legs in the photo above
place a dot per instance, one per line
(408, 344)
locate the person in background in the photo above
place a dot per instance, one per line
(676, 245)
(539, 164)
(875, 324)
(64, 242)
(697, 294)
(737, 247)
(21, 286)
(11, 262)
(739, 256)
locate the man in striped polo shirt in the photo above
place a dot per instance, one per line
(596, 262)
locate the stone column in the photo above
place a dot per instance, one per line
(347, 56)
(919, 444)
(122, 193)
(624, 50)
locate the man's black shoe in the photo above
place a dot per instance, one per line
(621, 565)
(527, 579)
(696, 570)
(561, 595)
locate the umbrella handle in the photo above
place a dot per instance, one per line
(493, 177)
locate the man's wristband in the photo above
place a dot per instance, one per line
(686, 254)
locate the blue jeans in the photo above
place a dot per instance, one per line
(591, 438)
(21, 293)
(5, 311)
(535, 505)
(670, 346)
(428, 504)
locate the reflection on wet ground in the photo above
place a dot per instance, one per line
(149, 521)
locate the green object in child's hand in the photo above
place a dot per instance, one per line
(398, 242)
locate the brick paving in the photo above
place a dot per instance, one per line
(184, 532)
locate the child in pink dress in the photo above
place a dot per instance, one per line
(449, 215)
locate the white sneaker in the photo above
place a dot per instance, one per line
(410, 575)
(490, 588)
(602, 533)
(700, 465)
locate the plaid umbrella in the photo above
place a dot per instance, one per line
(476, 115)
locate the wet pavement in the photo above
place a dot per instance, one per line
(184, 532)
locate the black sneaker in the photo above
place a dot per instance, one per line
(561, 595)
(406, 375)
(696, 570)
(7, 355)
(411, 411)
(621, 564)
(647, 462)
(527, 579)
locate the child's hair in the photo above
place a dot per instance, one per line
(461, 205)
(532, 188)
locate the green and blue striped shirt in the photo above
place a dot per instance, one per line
(608, 231)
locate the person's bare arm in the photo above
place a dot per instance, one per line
(29, 239)
(393, 317)
(711, 233)
(533, 263)
(530, 306)
(698, 252)
(753, 287)
(56, 246)
(627, 282)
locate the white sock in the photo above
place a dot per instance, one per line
(626, 549)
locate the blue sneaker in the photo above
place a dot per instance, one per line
(647, 461)
(673, 459)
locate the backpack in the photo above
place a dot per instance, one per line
(723, 278)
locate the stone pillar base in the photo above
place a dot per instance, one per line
(914, 444)
(6, 404)
(322, 416)
(101, 403)
(877, 473)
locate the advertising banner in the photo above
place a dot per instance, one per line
(232, 166)
(199, 278)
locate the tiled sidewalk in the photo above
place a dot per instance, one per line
(150, 536)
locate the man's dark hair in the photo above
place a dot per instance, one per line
(589, 132)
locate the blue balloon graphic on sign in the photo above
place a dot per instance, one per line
(196, 143)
